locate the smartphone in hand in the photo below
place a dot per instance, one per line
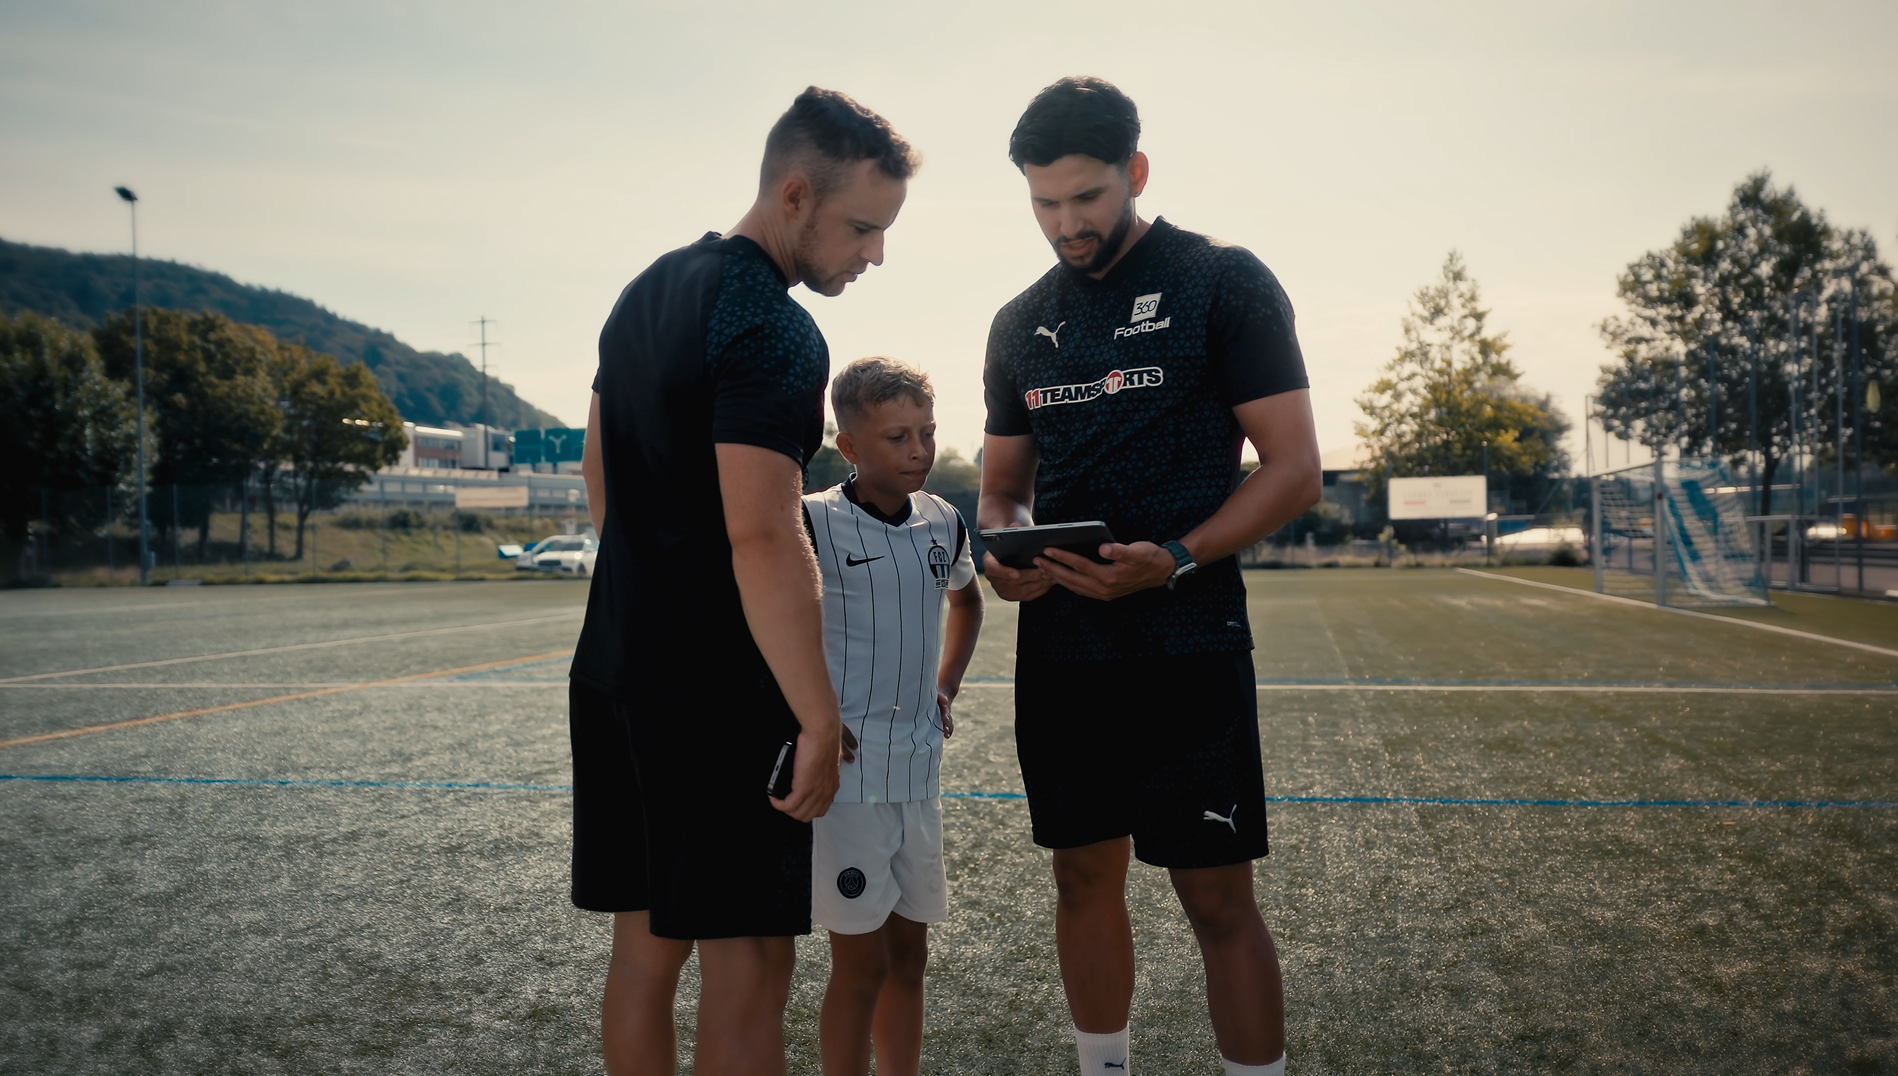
(779, 785)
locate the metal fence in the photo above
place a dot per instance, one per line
(394, 526)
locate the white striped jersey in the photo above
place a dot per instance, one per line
(885, 585)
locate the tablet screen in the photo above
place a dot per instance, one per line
(1018, 547)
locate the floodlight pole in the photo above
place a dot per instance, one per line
(1838, 448)
(1595, 554)
(138, 381)
(1713, 402)
(1588, 433)
(1858, 444)
(1660, 531)
(1753, 414)
(484, 392)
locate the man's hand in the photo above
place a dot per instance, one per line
(1015, 584)
(1136, 567)
(814, 777)
(942, 705)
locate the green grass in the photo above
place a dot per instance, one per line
(186, 928)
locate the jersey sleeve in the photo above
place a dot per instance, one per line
(1008, 414)
(768, 390)
(962, 572)
(1250, 337)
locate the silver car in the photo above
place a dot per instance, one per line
(568, 554)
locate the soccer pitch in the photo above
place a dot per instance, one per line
(1514, 830)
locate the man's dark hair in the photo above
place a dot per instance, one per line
(1079, 114)
(825, 132)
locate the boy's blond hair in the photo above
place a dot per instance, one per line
(876, 380)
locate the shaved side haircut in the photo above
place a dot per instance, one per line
(870, 382)
(823, 134)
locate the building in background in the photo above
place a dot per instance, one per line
(1344, 485)
(452, 448)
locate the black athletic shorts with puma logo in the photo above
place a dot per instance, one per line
(1162, 748)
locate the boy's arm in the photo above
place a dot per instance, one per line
(958, 646)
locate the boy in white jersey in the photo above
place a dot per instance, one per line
(891, 556)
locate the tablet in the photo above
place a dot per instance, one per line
(1018, 547)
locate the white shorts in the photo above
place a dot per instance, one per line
(871, 859)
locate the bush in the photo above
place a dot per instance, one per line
(473, 522)
(406, 519)
(1564, 557)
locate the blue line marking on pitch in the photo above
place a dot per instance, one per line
(498, 786)
(259, 782)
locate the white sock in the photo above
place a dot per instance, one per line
(1102, 1055)
(1234, 1068)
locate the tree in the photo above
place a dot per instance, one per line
(1739, 335)
(1449, 391)
(212, 403)
(65, 425)
(338, 429)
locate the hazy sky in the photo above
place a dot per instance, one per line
(415, 166)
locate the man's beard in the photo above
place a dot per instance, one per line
(1105, 249)
(807, 273)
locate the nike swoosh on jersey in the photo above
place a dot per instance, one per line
(853, 562)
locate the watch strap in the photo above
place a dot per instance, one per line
(1183, 562)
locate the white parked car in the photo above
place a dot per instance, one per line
(569, 554)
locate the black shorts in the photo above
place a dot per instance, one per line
(670, 813)
(1165, 749)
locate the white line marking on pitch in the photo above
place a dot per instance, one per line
(1580, 689)
(295, 646)
(1686, 612)
(197, 685)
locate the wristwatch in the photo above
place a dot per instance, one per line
(1182, 562)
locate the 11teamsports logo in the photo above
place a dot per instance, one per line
(1116, 380)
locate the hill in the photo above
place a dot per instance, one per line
(427, 387)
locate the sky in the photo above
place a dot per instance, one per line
(416, 166)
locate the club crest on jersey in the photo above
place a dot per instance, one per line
(939, 565)
(1117, 380)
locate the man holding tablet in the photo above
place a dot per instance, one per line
(1119, 387)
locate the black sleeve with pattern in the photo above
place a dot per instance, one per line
(766, 391)
(1008, 415)
(1250, 336)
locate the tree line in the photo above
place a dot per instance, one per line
(1760, 335)
(228, 406)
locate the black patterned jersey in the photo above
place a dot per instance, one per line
(1127, 384)
(704, 347)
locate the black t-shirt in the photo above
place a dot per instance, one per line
(705, 346)
(1127, 384)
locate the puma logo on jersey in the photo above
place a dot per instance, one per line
(1043, 330)
(853, 562)
(1214, 816)
(1114, 382)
